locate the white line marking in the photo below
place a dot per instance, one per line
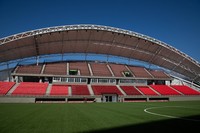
(168, 116)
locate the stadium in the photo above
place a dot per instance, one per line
(35, 65)
(95, 79)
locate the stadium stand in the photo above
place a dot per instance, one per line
(164, 90)
(82, 66)
(185, 90)
(56, 69)
(105, 89)
(100, 69)
(118, 69)
(80, 90)
(97, 69)
(130, 90)
(69, 80)
(5, 87)
(30, 69)
(30, 88)
(58, 90)
(140, 72)
(146, 90)
(158, 74)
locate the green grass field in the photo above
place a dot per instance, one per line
(100, 117)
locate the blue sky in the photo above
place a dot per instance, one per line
(176, 22)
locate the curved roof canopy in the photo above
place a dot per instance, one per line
(99, 40)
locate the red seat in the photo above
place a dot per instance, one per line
(185, 90)
(130, 90)
(5, 87)
(30, 88)
(165, 90)
(100, 89)
(80, 90)
(59, 90)
(146, 90)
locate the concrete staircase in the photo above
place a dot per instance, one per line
(90, 90)
(12, 89)
(121, 90)
(48, 90)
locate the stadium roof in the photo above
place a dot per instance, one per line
(98, 39)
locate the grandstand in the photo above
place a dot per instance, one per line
(87, 80)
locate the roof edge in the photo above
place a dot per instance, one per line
(92, 27)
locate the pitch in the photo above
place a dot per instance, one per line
(100, 117)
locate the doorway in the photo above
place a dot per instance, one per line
(109, 98)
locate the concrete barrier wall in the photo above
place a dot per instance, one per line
(98, 99)
(186, 98)
(16, 100)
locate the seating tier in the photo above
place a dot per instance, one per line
(59, 90)
(56, 69)
(118, 69)
(146, 90)
(82, 66)
(100, 69)
(80, 90)
(32, 69)
(140, 72)
(130, 90)
(165, 90)
(185, 90)
(30, 88)
(100, 89)
(5, 87)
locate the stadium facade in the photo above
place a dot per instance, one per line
(92, 80)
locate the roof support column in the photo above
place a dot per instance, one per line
(85, 56)
(107, 58)
(8, 72)
(37, 60)
(62, 44)
(37, 49)
(62, 56)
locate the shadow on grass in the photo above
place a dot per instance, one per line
(186, 124)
